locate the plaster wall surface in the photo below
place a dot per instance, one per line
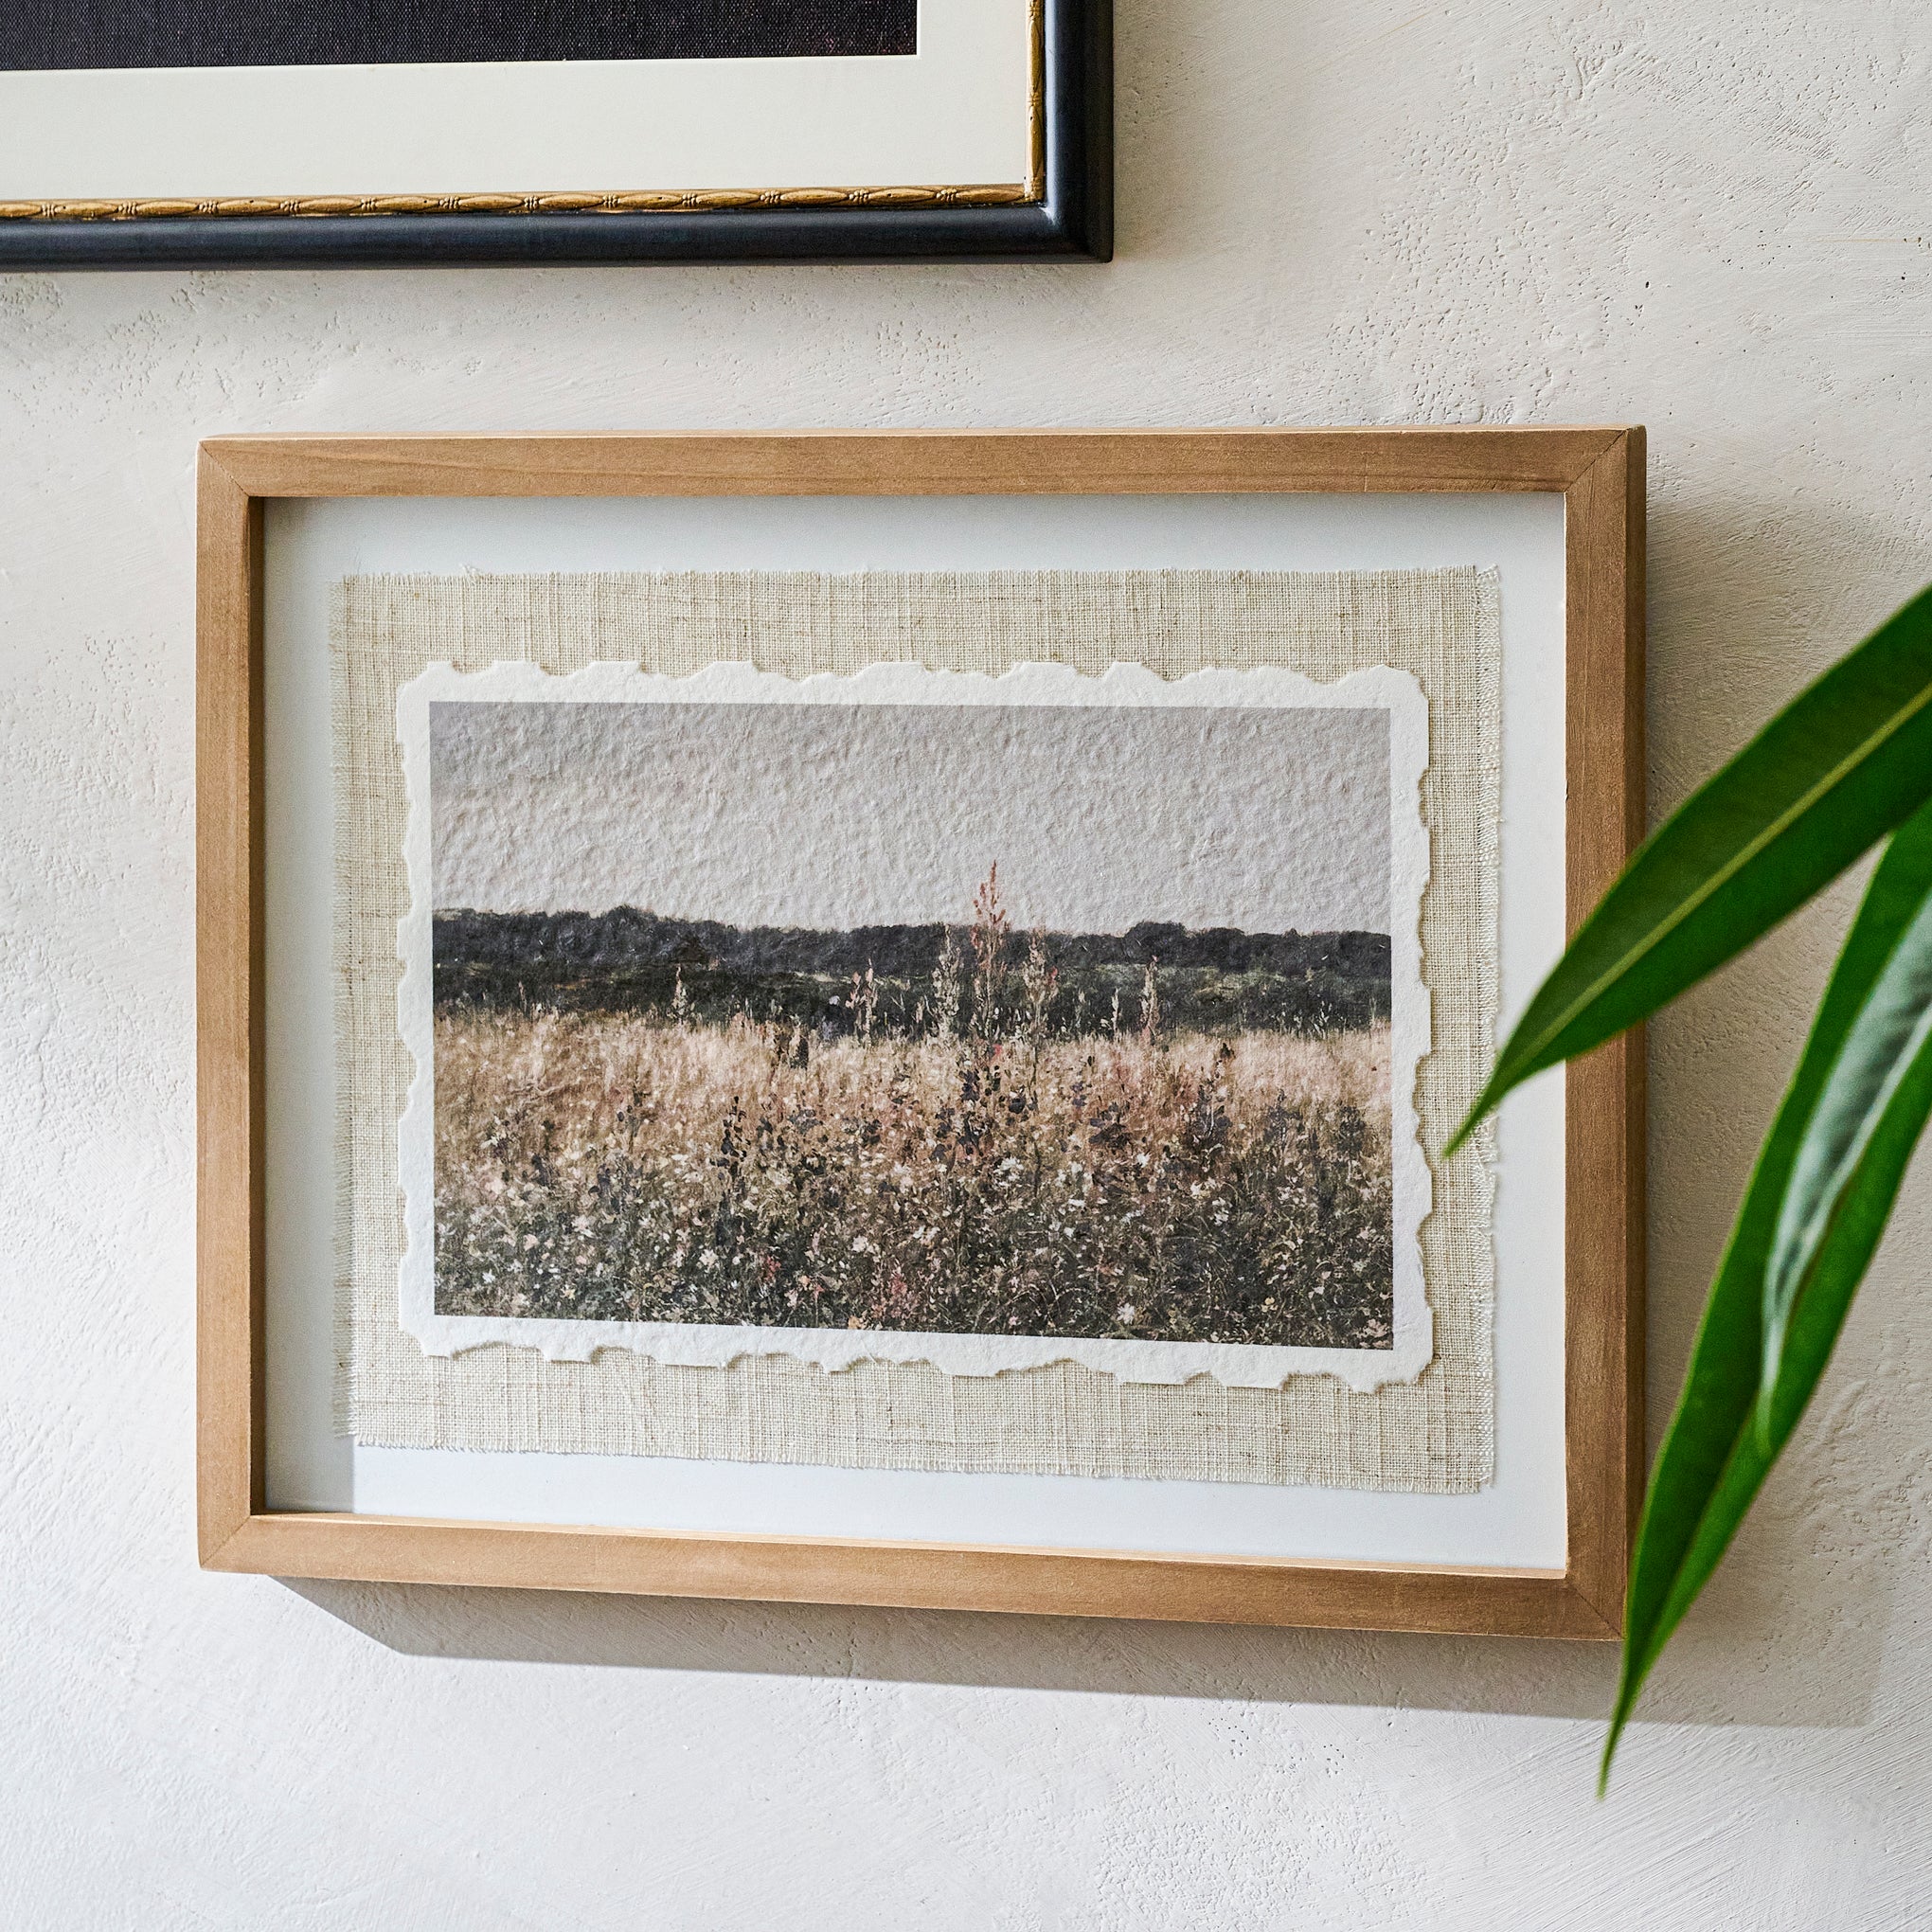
(1712, 218)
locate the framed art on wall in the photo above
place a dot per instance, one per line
(873, 1018)
(213, 132)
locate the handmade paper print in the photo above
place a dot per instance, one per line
(970, 1021)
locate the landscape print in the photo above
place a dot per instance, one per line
(1091, 1085)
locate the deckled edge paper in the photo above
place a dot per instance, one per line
(1434, 1434)
(710, 1344)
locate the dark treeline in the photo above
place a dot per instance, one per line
(1217, 979)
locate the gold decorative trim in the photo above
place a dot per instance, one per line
(631, 202)
(1036, 100)
(627, 202)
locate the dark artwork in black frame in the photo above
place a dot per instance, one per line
(1073, 217)
(48, 35)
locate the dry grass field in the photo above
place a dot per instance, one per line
(995, 1179)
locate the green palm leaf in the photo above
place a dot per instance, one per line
(1872, 1081)
(1741, 1397)
(1842, 765)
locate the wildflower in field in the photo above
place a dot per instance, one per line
(965, 1156)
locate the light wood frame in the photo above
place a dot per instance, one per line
(1599, 474)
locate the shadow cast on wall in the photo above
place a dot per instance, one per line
(1735, 1682)
(1105, 1656)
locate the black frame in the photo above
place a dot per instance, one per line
(1074, 218)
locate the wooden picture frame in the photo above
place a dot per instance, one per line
(1052, 199)
(1600, 475)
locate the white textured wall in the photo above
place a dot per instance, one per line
(1711, 217)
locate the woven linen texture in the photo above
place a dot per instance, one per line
(1435, 1435)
